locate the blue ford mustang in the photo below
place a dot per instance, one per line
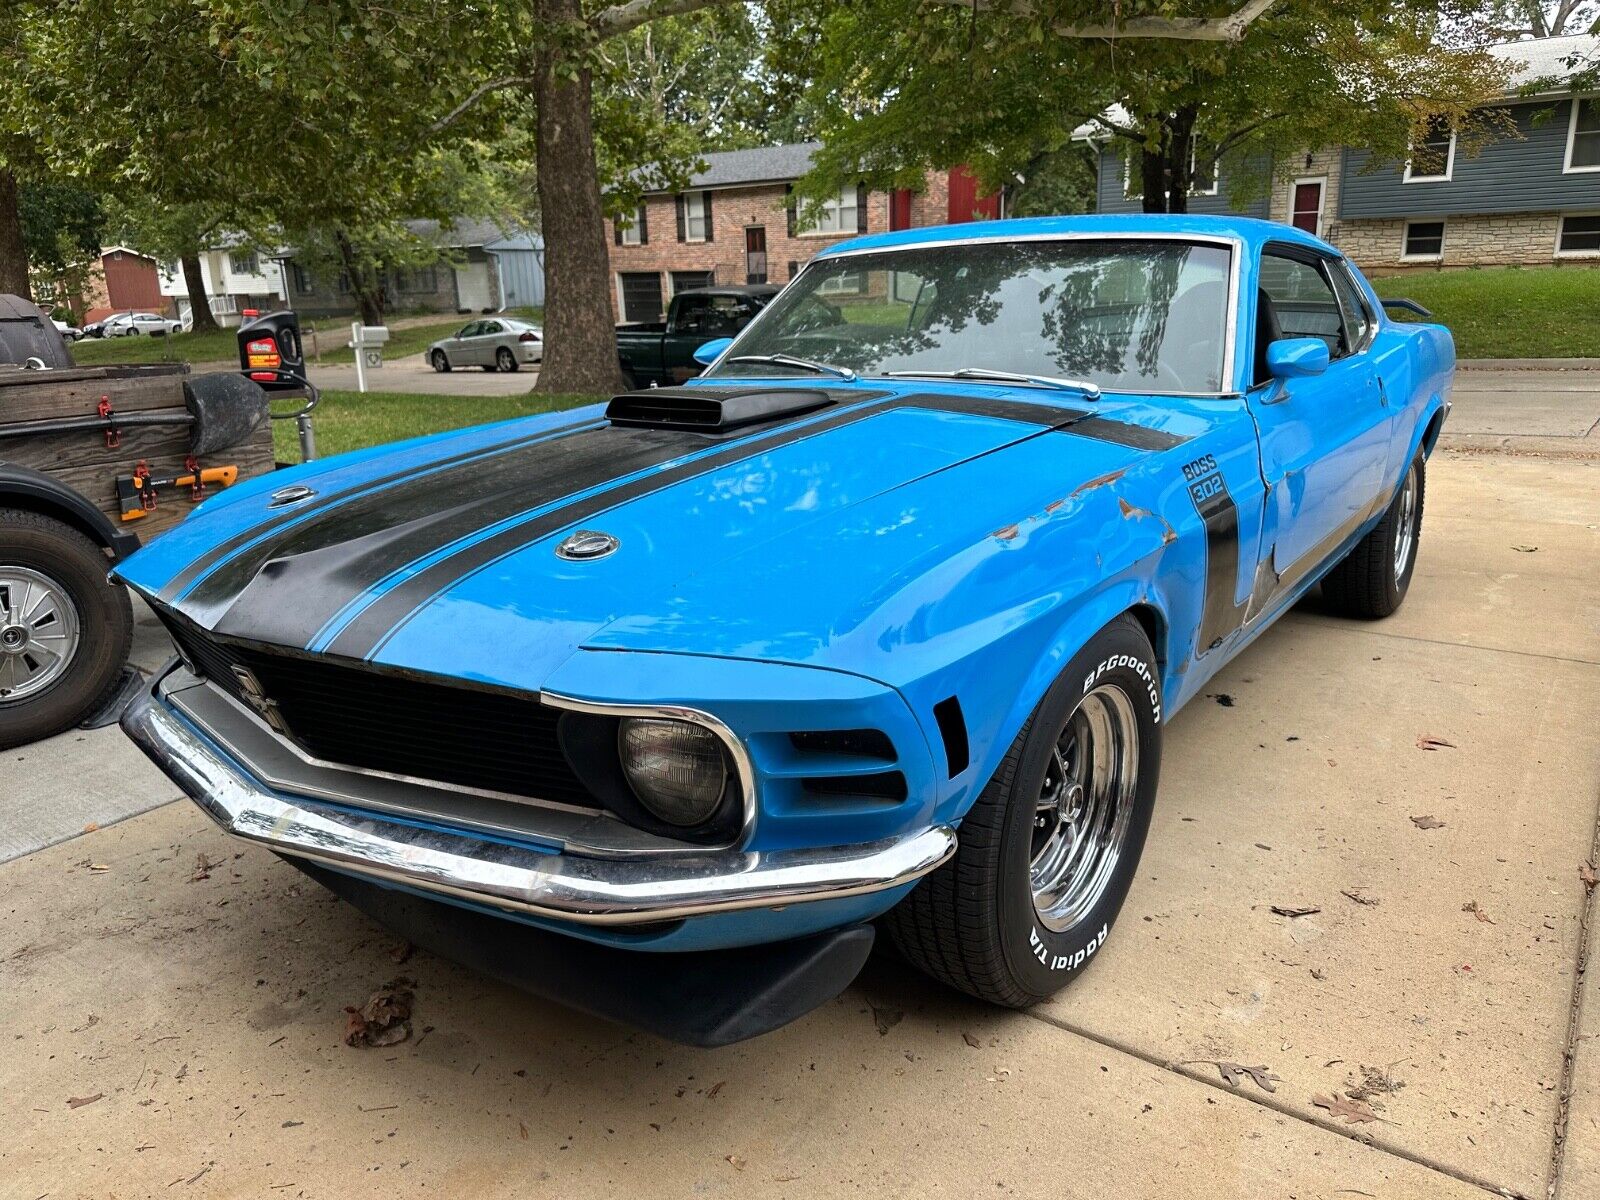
(657, 706)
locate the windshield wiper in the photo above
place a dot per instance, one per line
(1090, 391)
(804, 364)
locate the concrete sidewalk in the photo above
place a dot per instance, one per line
(1505, 408)
(192, 990)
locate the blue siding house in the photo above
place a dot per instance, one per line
(1525, 199)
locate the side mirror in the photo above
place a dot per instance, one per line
(1295, 358)
(709, 353)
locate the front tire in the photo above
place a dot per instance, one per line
(1050, 848)
(64, 629)
(441, 364)
(1372, 580)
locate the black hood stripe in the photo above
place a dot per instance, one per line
(202, 565)
(383, 617)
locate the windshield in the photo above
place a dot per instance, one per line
(1126, 315)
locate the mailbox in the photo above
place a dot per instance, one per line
(270, 351)
(367, 341)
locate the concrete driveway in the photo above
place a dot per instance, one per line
(1427, 785)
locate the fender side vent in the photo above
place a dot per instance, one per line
(858, 743)
(882, 785)
(953, 729)
(711, 410)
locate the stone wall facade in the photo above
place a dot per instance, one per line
(1477, 240)
(1325, 165)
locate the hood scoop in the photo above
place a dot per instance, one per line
(711, 410)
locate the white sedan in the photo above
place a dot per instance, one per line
(494, 343)
(133, 324)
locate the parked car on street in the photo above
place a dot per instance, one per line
(68, 331)
(493, 343)
(662, 352)
(133, 324)
(658, 706)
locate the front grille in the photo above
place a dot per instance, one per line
(400, 724)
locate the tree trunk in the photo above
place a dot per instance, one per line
(199, 303)
(1153, 178)
(1179, 144)
(366, 283)
(13, 254)
(579, 331)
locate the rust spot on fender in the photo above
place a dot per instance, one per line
(1132, 512)
(1171, 534)
(1053, 505)
(1006, 534)
(1099, 481)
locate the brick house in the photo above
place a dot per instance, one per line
(737, 223)
(1525, 199)
(120, 280)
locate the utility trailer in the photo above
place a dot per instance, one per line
(93, 462)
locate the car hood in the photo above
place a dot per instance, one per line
(782, 542)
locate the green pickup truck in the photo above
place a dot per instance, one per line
(662, 352)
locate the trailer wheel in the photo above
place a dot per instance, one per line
(65, 629)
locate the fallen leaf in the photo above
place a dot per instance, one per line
(1353, 1111)
(80, 1101)
(1586, 874)
(1359, 896)
(98, 867)
(1318, 974)
(1524, 549)
(886, 1019)
(1471, 906)
(1427, 823)
(401, 953)
(522, 1131)
(736, 1162)
(1426, 741)
(385, 1019)
(1232, 1073)
(716, 1087)
(91, 827)
(203, 867)
(1283, 911)
(971, 1040)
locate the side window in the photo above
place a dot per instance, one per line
(1304, 301)
(694, 315)
(472, 329)
(1358, 317)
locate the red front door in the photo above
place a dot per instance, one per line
(965, 202)
(755, 254)
(1307, 212)
(900, 208)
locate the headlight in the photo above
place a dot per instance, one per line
(677, 769)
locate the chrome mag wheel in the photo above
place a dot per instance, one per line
(1406, 533)
(39, 632)
(1084, 807)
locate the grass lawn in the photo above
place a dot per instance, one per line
(351, 420)
(1508, 312)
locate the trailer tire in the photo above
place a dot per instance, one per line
(60, 566)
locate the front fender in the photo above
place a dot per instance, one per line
(38, 492)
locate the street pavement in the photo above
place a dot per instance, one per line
(410, 374)
(1427, 785)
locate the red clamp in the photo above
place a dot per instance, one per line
(141, 480)
(113, 434)
(197, 488)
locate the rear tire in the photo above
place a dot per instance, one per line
(47, 565)
(1371, 581)
(1024, 905)
(504, 360)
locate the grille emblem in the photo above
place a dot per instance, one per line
(586, 544)
(295, 493)
(256, 697)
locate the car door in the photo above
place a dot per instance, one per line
(1324, 438)
(464, 346)
(494, 337)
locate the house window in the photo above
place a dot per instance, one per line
(836, 214)
(244, 262)
(303, 280)
(633, 232)
(696, 217)
(682, 281)
(640, 292)
(1583, 136)
(1579, 235)
(1423, 240)
(1434, 157)
(1202, 176)
(845, 283)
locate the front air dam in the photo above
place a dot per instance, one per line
(699, 998)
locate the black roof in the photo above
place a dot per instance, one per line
(763, 290)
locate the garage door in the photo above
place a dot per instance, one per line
(473, 293)
(641, 295)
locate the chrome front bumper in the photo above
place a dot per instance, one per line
(563, 887)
